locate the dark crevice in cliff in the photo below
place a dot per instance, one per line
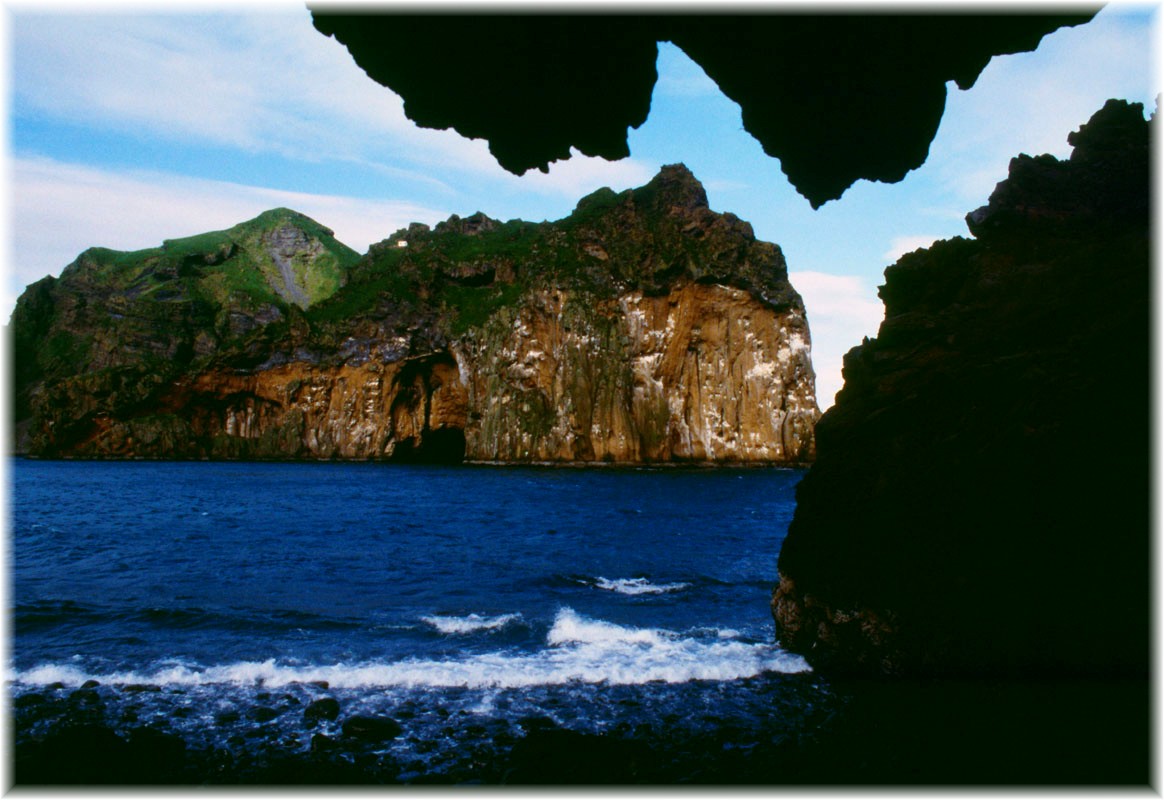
(443, 446)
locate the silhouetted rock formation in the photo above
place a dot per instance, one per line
(835, 97)
(980, 500)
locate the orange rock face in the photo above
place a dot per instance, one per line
(644, 327)
(701, 374)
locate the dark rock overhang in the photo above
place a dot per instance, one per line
(835, 97)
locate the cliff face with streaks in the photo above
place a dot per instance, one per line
(701, 373)
(642, 328)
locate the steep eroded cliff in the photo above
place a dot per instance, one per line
(643, 327)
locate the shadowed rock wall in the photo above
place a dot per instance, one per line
(980, 502)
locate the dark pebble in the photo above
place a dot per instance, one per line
(320, 684)
(371, 729)
(135, 688)
(263, 714)
(324, 708)
(227, 717)
(28, 700)
(85, 697)
(536, 723)
(90, 684)
(323, 744)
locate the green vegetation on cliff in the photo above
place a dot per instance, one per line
(649, 238)
(145, 317)
(114, 340)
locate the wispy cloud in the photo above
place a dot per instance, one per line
(1029, 102)
(260, 82)
(59, 210)
(900, 245)
(579, 175)
(842, 309)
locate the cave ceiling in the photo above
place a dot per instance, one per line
(834, 97)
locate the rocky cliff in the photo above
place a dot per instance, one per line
(980, 500)
(643, 327)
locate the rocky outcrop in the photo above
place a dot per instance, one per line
(980, 500)
(643, 327)
(868, 110)
(702, 373)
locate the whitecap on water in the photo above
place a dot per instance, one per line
(577, 650)
(635, 586)
(473, 623)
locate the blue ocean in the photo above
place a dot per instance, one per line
(217, 602)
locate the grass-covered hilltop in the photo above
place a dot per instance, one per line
(642, 327)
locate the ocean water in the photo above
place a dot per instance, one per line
(471, 605)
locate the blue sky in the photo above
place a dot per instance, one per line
(133, 124)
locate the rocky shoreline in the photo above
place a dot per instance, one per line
(881, 733)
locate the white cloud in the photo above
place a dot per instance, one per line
(900, 245)
(260, 82)
(581, 175)
(59, 210)
(842, 309)
(1029, 102)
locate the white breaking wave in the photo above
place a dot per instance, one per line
(578, 650)
(572, 628)
(633, 586)
(470, 624)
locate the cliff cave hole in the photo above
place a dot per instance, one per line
(441, 446)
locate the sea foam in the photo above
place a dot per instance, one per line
(637, 586)
(577, 650)
(472, 623)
